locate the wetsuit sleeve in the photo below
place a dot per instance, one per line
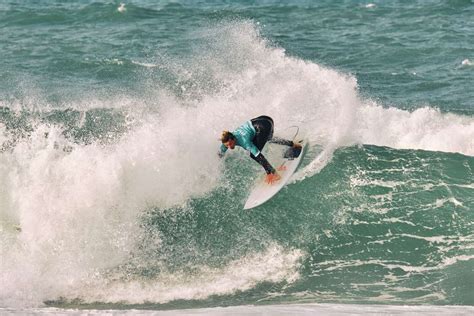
(281, 141)
(222, 150)
(253, 149)
(263, 162)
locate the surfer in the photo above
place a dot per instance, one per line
(252, 136)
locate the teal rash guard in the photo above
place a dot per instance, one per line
(243, 136)
(252, 136)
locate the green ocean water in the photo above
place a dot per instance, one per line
(112, 195)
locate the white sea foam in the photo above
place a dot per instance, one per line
(122, 8)
(332, 265)
(425, 128)
(148, 65)
(114, 61)
(441, 202)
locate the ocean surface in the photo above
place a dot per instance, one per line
(112, 195)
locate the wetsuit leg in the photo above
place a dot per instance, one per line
(264, 130)
(264, 127)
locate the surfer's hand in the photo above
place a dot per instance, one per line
(272, 178)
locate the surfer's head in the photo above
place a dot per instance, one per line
(228, 139)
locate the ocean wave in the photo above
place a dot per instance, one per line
(79, 199)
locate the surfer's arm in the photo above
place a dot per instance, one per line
(258, 157)
(222, 151)
(264, 163)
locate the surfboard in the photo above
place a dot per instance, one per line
(287, 164)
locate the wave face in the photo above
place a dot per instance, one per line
(112, 192)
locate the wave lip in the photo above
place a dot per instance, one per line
(425, 128)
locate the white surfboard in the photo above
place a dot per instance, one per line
(287, 164)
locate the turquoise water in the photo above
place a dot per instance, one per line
(112, 195)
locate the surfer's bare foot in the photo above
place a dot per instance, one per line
(272, 178)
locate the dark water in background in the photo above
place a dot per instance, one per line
(112, 195)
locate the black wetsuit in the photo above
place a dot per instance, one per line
(264, 133)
